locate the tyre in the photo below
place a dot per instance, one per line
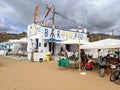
(112, 77)
(117, 77)
(117, 81)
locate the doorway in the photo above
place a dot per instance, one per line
(36, 44)
(50, 47)
(68, 47)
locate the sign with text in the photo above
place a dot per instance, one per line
(58, 33)
(62, 34)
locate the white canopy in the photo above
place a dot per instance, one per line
(73, 41)
(102, 44)
(16, 41)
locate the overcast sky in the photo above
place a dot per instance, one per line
(98, 16)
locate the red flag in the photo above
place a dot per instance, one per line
(48, 12)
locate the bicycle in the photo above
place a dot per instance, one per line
(115, 76)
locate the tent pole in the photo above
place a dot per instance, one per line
(79, 51)
(118, 56)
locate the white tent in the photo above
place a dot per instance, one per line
(87, 46)
(73, 41)
(16, 41)
(102, 44)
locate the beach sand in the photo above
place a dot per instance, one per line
(25, 75)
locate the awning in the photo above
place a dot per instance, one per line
(54, 40)
(74, 41)
(15, 41)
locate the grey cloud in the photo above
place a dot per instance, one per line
(95, 15)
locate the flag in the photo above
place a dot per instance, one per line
(47, 13)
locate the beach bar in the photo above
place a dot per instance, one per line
(40, 38)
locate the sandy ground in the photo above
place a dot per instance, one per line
(25, 75)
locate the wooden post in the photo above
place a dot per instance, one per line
(53, 28)
(79, 51)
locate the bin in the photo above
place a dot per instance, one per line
(41, 60)
(48, 57)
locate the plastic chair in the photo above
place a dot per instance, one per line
(60, 62)
(63, 63)
(76, 58)
(66, 63)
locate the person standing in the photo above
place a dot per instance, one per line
(102, 67)
(84, 59)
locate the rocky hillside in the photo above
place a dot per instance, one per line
(92, 37)
(6, 36)
(100, 36)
